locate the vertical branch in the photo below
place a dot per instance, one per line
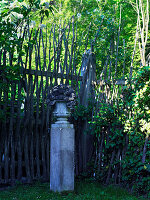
(147, 22)
(42, 132)
(143, 21)
(118, 44)
(133, 54)
(141, 38)
(43, 47)
(46, 48)
(11, 133)
(38, 48)
(110, 63)
(106, 65)
(124, 52)
(74, 57)
(54, 47)
(142, 29)
(28, 47)
(50, 44)
(48, 141)
(110, 166)
(58, 50)
(18, 135)
(4, 130)
(72, 48)
(6, 156)
(37, 139)
(66, 52)
(31, 128)
(100, 150)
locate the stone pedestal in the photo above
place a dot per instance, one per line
(61, 151)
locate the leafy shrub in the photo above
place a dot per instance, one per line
(124, 125)
(136, 164)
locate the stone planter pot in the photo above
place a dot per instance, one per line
(61, 112)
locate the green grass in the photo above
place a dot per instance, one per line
(83, 191)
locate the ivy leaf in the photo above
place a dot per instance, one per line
(46, 13)
(17, 10)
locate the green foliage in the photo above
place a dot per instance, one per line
(81, 112)
(126, 125)
(93, 14)
(14, 17)
(138, 126)
(84, 190)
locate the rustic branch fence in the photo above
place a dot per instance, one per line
(52, 57)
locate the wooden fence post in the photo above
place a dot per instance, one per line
(88, 73)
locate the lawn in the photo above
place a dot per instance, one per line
(83, 191)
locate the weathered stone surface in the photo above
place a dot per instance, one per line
(62, 93)
(62, 150)
(62, 157)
